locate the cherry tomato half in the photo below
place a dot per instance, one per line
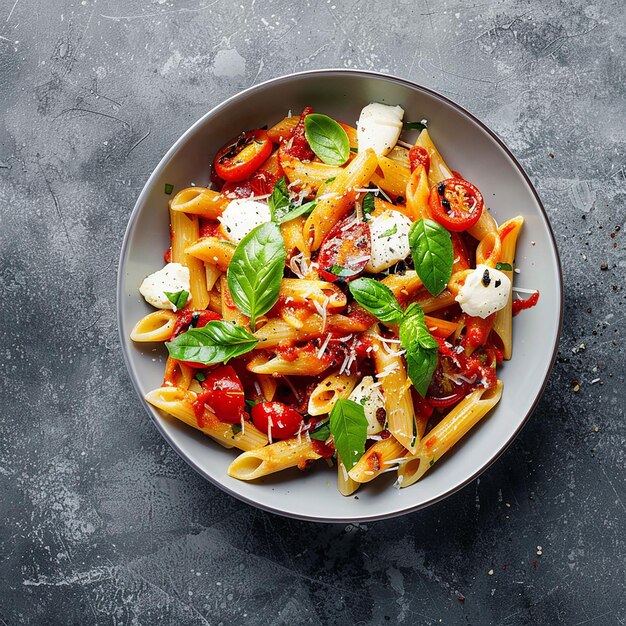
(285, 421)
(345, 251)
(456, 204)
(243, 155)
(224, 394)
(419, 156)
(477, 330)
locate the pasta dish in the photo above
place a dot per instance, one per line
(335, 293)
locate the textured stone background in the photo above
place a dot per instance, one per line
(101, 522)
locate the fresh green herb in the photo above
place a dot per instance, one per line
(327, 139)
(368, 205)
(433, 255)
(363, 401)
(342, 272)
(228, 243)
(297, 211)
(282, 208)
(321, 432)
(217, 342)
(348, 426)
(505, 267)
(330, 180)
(421, 349)
(414, 126)
(431, 462)
(279, 199)
(392, 231)
(353, 150)
(236, 428)
(178, 299)
(256, 270)
(250, 403)
(377, 298)
(200, 377)
(168, 189)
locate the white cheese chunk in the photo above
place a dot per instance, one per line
(243, 215)
(390, 240)
(173, 278)
(486, 290)
(379, 127)
(367, 394)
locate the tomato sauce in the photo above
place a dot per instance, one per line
(521, 305)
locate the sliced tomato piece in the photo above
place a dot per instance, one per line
(477, 330)
(276, 419)
(223, 394)
(243, 155)
(241, 189)
(419, 156)
(345, 251)
(296, 145)
(456, 204)
(263, 180)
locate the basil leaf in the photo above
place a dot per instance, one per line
(256, 269)
(421, 350)
(505, 267)
(281, 217)
(280, 196)
(327, 139)
(368, 203)
(217, 342)
(342, 272)
(348, 426)
(392, 231)
(414, 126)
(433, 255)
(282, 208)
(178, 299)
(321, 431)
(376, 298)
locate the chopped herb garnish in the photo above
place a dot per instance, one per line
(200, 377)
(342, 272)
(330, 180)
(321, 432)
(368, 203)
(169, 188)
(414, 125)
(250, 403)
(353, 150)
(504, 267)
(392, 231)
(178, 299)
(236, 428)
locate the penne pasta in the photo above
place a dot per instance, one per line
(438, 169)
(307, 292)
(329, 390)
(452, 428)
(346, 485)
(212, 250)
(184, 231)
(273, 458)
(396, 388)
(503, 323)
(283, 129)
(156, 326)
(199, 201)
(382, 456)
(417, 192)
(179, 403)
(304, 364)
(391, 176)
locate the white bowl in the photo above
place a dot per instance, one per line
(468, 146)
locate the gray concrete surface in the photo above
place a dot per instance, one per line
(101, 522)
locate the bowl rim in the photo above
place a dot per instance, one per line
(124, 251)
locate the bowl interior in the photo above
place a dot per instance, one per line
(467, 147)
